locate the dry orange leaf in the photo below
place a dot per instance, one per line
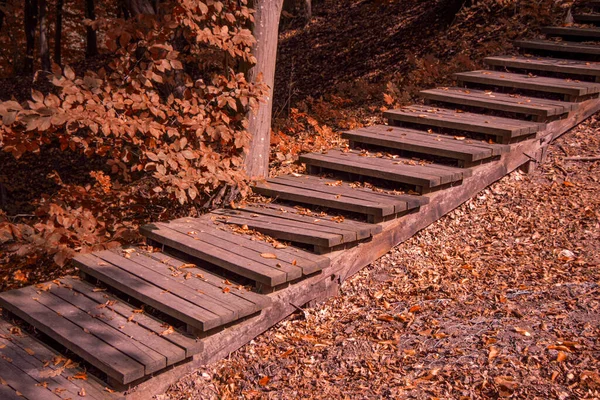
(268, 255)
(29, 351)
(263, 381)
(414, 309)
(81, 375)
(493, 353)
(226, 290)
(522, 331)
(562, 356)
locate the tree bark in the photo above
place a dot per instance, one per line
(2, 15)
(58, 32)
(138, 7)
(266, 30)
(31, 15)
(44, 50)
(91, 48)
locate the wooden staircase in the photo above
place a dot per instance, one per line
(139, 318)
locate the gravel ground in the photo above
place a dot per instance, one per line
(500, 298)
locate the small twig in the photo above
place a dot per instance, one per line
(560, 146)
(596, 158)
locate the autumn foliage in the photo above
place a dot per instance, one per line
(167, 113)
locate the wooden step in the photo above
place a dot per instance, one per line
(232, 252)
(376, 206)
(585, 34)
(398, 169)
(546, 64)
(587, 18)
(563, 47)
(570, 89)
(324, 232)
(25, 368)
(466, 151)
(513, 103)
(186, 297)
(504, 129)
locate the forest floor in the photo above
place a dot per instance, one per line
(501, 297)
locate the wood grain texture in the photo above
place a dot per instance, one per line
(545, 64)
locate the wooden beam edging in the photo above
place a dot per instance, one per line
(345, 263)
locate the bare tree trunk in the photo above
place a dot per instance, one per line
(266, 29)
(2, 6)
(138, 7)
(31, 14)
(91, 48)
(44, 50)
(58, 32)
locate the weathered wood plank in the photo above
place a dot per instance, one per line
(135, 332)
(499, 101)
(401, 170)
(587, 18)
(546, 64)
(294, 259)
(401, 202)
(166, 282)
(194, 278)
(425, 143)
(292, 272)
(190, 345)
(563, 47)
(587, 34)
(363, 230)
(321, 199)
(20, 381)
(106, 358)
(148, 293)
(42, 353)
(504, 128)
(526, 82)
(215, 255)
(259, 300)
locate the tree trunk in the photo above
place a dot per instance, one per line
(91, 48)
(44, 50)
(138, 7)
(58, 32)
(31, 13)
(266, 29)
(2, 15)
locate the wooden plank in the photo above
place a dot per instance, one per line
(147, 293)
(292, 272)
(271, 226)
(32, 367)
(361, 230)
(468, 122)
(546, 64)
(429, 144)
(8, 393)
(20, 381)
(563, 47)
(572, 32)
(171, 353)
(499, 101)
(42, 353)
(190, 345)
(306, 265)
(586, 18)
(215, 255)
(315, 198)
(217, 281)
(399, 170)
(401, 202)
(106, 358)
(526, 82)
(240, 306)
(150, 359)
(448, 141)
(210, 306)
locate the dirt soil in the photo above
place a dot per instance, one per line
(500, 298)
